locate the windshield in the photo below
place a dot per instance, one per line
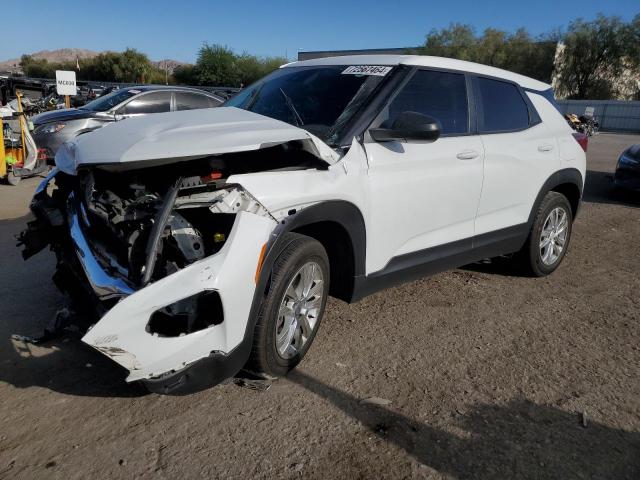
(320, 99)
(109, 101)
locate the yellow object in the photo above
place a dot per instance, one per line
(22, 124)
(13, 156)
(3, 161)
(219, 237)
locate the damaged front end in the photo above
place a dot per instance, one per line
(161, 261)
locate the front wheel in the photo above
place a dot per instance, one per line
(549, 237)
(292, 309)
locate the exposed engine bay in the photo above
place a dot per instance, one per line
(144, 224)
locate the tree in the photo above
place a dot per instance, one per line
(633, 53)
(593, 57)
(217, 66)
(105, 66)
(36, 68)
(252, 68)
(457, 41)
(518, 51)
(134, 66)
(186, 74)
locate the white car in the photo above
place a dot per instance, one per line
(208, 240)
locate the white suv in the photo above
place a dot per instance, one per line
(208, 240)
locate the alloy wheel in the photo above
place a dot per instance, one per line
(299, 310)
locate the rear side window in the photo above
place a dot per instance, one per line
(154, 102)
(192, 100)
(501, 107)
(440, 95)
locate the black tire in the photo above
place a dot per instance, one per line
(529, 258)
(265, 360)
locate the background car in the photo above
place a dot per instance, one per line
(51, 129)
(627, 174)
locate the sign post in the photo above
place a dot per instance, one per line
(66, 85)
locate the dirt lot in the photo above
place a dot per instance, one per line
(488, 375)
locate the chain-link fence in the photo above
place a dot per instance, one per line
(612, 115)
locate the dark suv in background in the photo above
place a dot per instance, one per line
(52, 129)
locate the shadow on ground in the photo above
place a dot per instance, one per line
(29, 300)
(517, 440)
(599, 189)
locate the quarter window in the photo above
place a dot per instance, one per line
(155, 102)
(501, 107)
(441, 95)
(192, 100)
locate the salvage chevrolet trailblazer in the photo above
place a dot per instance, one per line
(208, 240)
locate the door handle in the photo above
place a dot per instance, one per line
(467, 155)
(545, 147)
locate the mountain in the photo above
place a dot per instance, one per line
(168, 65)
(61, 55)
(70, 55)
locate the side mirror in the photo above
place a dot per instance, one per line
(409, 126)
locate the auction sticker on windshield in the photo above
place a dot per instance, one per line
(367, 70)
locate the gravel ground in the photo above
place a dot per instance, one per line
(486, 375)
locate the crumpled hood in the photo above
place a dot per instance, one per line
(176, 136)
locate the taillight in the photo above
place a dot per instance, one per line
(582, 139)
(43, 153)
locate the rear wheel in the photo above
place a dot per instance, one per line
(290, 313)
(549, 238)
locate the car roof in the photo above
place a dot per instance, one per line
(151, 88)
(425, 61)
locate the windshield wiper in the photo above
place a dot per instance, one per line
(292, 107)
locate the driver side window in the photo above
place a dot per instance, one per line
(441, 95)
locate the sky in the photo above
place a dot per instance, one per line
(176, 29)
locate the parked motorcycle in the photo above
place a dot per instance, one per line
(589, 125)
(583, 124)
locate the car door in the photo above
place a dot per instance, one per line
(145, 103)
(520, 154)
(424, 195)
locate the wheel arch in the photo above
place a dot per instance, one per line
(339, 226)
(568, 182)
